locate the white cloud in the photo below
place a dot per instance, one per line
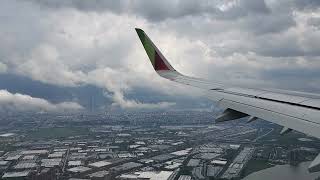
(119, 100)
(21, 102)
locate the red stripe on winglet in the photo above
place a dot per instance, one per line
(159, 64)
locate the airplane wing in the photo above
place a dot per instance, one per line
(292, 110)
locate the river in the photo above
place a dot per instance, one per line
(284, 172)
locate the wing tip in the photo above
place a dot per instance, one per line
(140, 32)
(138, 29)
(158, 61)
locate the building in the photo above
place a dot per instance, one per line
(235, 168)
(184, 177)
(13, 157)
(4, 163)
(79, 169)
(18, 175)
(100, 175)
(126, 166)
(100, 164)
(29, 157)
(56, 154)
(193, 162)
(35, 152)
(74, 163)
(213, 171)
(26, 165)
(47, 174)
(148, 175)
(219, 162)
(51, 162)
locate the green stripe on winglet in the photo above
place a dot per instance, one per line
(147, 45)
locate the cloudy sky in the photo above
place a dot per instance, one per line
(51, 50)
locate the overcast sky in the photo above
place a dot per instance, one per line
(72, 43)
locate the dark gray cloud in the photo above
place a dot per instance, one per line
(270, 23)
(306, 4)
(254, 15)
(161, 10)
(152, 10)
(241, 8)
(314, 22)
(294, 78)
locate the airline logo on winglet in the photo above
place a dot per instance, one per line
(157, 59)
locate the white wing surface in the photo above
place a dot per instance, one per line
(292, 110)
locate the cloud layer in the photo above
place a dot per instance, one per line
(23, 103)
(74, 43)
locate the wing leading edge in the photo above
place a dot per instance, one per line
(292, 110)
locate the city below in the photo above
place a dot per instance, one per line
(144, 145)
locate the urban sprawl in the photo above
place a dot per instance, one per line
(143, 145)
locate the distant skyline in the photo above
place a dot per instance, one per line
(72, 50)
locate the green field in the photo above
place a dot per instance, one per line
(57, 132)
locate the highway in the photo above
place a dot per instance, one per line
(263, 135)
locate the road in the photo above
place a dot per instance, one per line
(65, 161)
(263, 135)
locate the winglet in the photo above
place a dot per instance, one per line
(157, 60)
